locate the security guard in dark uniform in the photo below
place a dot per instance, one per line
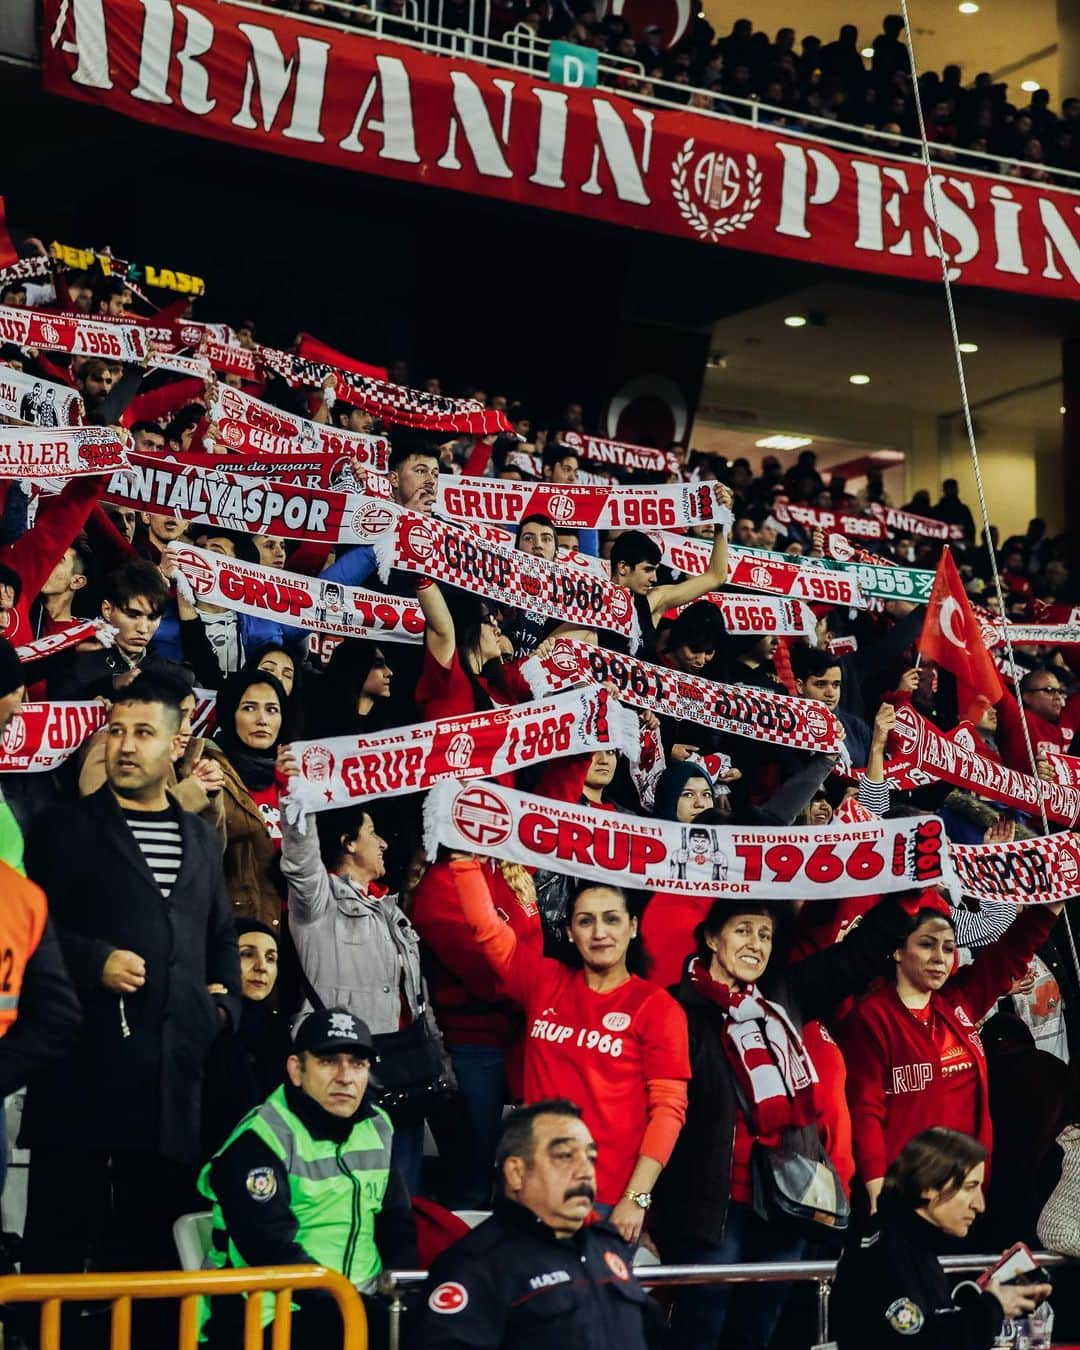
(306, 1179)
(534, 1276)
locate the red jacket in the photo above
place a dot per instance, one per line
(894, 1084)
(469, 1006)
(1054, 736)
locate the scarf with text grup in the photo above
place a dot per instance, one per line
(507, 576)
(236, 502)
(752, 570)
(38, 402)
(393, 403)
(813, 518)
(918, 743)
(71, 333)
(570, 556)
(825, 862)
(248, 426)
(41, 736)
(1023, 872)
(803, 724)
(599, 451)
(904, 522)
(347, 769)
(61, 452)
(766, 1054)
(89, 630)
(576, 506)
(299, 601)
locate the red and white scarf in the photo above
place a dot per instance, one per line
(88, 630)
(570, 556)
(1031, 634)
(229, 358)
(507, 576)
(804, 724)
(248, 426)
(27, 269)
(766, 1053)
(919, 744)
(764, 615)
(392, 402)
(195, 367)
(61, 452)
(812, 518)
(299, 601)
(313, 471)
(71, 333)
(346, 769)
(1023, 872)
(904, 522)
(575, 506)
(599, 451)
(756, 570)
(41, 736)
(38, 402)
(637, 853)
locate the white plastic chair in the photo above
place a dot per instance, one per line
(192, 1234)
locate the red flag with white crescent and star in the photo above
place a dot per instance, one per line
(951, 637)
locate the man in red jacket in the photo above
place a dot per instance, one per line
(1051, 721)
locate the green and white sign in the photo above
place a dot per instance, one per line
(877, 581)
(574, 66)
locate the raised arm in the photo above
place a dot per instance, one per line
(663, 598)
(439, 636)
(514, 963)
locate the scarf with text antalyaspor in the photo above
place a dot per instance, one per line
(1022, 872)
(599, 451)
(509, 577)
(766, 1055)
(300, 601)
(71, 333)
(577, 506)
(392, 403)
(248, 426)
(918, 743)
(38, 402)
(61, 452)
(345, 769)
(759, 863)
(41, 736)
(803, 724)
(774, 574)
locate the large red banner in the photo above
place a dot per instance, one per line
(298, 88)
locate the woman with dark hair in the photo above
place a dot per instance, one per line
(250, 713)
(736, 1003)
(913, 1052)
(596, 1033)
(284, 664)
(463, 669)
(352, 696)
(890, 1289)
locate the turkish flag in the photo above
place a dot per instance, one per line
(951, 637)
(313, 350)
(8, 252)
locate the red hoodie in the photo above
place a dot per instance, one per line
(1053, 736)
(895, 1086)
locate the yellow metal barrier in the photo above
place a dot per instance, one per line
(189, 1286)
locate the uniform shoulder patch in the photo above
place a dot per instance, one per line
(905, 1317)
(616, 1265)
(448, 1297)
(261, 1183)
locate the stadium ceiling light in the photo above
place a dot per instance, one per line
(868, 52)
(1061, 410)
(795, 321)
(858, 379)
(969, 348)
(1030, 86)
(968, 7)
(781, 442)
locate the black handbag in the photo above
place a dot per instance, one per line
(797, 1185)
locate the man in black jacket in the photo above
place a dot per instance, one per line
(138, 898)
(534, 1276)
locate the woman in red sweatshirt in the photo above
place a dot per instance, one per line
(599, 1035)
(914, 1058)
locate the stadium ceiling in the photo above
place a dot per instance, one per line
(1014, 41)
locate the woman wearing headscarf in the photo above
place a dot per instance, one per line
(285, 665)
(250, 712)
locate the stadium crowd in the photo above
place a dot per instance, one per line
(203, 922)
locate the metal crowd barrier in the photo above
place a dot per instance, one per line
(53, 1291)
(396, 1283)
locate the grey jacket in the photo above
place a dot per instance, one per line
(358, 951)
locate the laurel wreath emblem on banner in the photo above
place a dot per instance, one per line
(712, 228)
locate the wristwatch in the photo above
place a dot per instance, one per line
(643, 1199)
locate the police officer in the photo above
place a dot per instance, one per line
(533, 1276)
(305, 1179)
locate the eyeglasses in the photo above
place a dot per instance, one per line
(1055, 691)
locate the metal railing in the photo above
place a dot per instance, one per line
(521, 49)
(190, 1287)
(394, 1284)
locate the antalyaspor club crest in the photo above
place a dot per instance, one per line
(714, 182)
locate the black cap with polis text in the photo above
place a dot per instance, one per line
(334, 1029)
